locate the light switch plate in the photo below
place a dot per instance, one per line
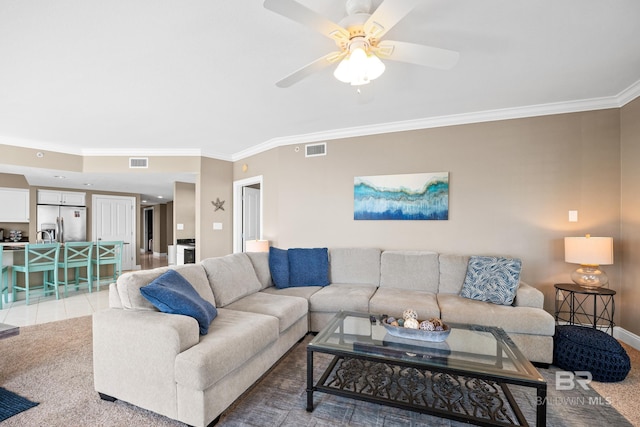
(573, 216)
(180, 227)
(217, 226)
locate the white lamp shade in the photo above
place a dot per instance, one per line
(588, 250)
(256, 246)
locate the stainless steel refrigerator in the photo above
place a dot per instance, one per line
(62, 223)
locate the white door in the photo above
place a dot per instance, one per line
(114, 219)
(250, 214)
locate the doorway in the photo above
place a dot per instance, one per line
(147, 242)
(114, 219)
(247, 211)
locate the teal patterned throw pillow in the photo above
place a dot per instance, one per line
(492, 279)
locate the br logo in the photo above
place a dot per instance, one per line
(566, 380)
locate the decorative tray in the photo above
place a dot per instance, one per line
(418, 334)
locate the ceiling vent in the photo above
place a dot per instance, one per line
(314, 150)
(138, 162)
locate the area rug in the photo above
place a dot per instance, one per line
(279, 399)
(12, 404)
(53, 364)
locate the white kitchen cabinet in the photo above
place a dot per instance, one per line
(14, 205)
(54, 197)
(73, 198)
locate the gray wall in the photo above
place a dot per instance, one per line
(214, 182)
(512, 184)
(630, 222)
(184, 210)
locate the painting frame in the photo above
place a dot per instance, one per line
(404, 197)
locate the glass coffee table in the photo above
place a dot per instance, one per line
(463, 378)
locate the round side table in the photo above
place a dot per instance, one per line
(576, 305)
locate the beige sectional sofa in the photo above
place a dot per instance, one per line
(159, 361)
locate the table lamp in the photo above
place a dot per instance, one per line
(256, 246)
(590, 253)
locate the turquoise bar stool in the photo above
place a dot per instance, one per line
(38, 258)
(77, 255)
(107, 253)
(4, 281)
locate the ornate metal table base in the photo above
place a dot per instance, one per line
(464, 398)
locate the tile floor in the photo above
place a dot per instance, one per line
(77, 303)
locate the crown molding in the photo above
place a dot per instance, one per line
(629, 94)
(217, 156)
(39, 145)
(451, 120)
(145, 152)
(617, 101)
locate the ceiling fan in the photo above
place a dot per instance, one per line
(359, 37)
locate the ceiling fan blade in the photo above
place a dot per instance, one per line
(295, 11)
(307, 70)
(412, 53)
(388, 14)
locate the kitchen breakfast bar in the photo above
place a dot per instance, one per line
(43, 267)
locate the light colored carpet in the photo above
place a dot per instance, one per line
(52, 364)
(624, 395)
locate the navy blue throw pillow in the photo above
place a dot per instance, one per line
(279, 267)
(309, 267)
(172, 293)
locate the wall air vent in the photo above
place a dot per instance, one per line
(314, 150)
(138, 162)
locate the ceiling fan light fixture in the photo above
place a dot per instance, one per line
(360, 66)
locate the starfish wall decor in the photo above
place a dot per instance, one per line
(218, 204)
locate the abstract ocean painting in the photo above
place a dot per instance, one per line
(419, 196)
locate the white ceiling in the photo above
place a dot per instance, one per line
(150, 77)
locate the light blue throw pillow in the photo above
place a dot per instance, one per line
(492, 279)
(279, 267)
(308, 267)
(172, 293)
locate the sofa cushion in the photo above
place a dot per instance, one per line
(394, 302)
(279, 267)
(521, 320)
(416, 270)
(129, 284)
(287, 309)
(231, 277)
(492, 279)
(453, 270)
(355, 266)
(234, 338)
(308, 266)
(301, 291)
(260, 262)
(337, 297)
(197, 276)
(171, 293)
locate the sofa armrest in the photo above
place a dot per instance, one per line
(528, 296)
(134, 354)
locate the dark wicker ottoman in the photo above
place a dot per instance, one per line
(579, 348)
